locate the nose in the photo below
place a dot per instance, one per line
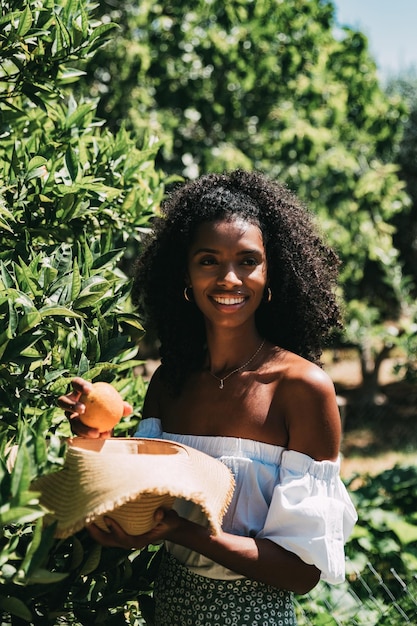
(228, 275)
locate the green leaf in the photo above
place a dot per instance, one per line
(82, 21)
(106, 259)
(19, 299)
(102, 190)
(16, 607)
(13, 320)
(58, 311)
(87, 258)
(36, 168)
(44, 577)
(67, 75)
(21, 473)
(33, 546)
(62, 39)
(38, 551)
(98, 35)
(4, 342)
(27, 281)
(77, 553)
(31, 91)
(71, 163)
(63, 259)
(6, 216)
(92, 561)
(93, 291)
(130, 318)
(29, 321)
(18, 347)
(25, 22)
(79, 115)
(19, 515)
(75, 280)
(47, 276)
(6, 277)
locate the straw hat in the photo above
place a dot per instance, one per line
(127, 479)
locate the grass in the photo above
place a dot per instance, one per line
(374, 465)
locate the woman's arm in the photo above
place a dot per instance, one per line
(257, 559)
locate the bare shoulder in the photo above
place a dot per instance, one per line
(305, 375)
(312, 416)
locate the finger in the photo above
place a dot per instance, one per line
(101, 536)
(123, 539)
(80, 385)
(105, 434)
(71, 406)
(127, 409)
(115, 528)
(81, 430)
(116, 536)
(158, 516)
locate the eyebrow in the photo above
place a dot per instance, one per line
(214, 251)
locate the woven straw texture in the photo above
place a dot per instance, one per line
(127, 479)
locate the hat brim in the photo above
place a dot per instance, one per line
(127, 479)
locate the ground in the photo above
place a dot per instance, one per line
(375, 436)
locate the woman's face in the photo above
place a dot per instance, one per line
(227, 271)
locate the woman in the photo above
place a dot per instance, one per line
(240, 289)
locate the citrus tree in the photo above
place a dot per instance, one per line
(75, 200)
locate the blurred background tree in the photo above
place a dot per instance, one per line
(405, 155)
(269, 85)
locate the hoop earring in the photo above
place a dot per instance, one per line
(269, 296)
(186, 296)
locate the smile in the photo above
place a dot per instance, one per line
(228, 300)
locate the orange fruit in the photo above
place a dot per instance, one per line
(103, 407)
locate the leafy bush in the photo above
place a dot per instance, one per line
(75, 201)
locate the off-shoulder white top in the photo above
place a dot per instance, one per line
(281, 495)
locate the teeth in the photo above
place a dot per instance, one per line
(229, 300)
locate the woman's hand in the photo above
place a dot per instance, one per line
(73, 408)
(165, 523)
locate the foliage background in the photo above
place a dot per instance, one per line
(268, 85)
(102, 108)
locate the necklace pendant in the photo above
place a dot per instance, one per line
(221, 383)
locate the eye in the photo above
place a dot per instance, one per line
(207, 261)
(250, 261)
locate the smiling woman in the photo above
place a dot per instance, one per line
(240, 289)
(227, 272)
(302, 271)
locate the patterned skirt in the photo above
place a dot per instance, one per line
(183, 598)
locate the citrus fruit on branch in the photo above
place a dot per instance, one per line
(103, 407)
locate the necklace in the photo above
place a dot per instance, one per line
(238, 369)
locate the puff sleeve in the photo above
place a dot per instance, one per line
(311, 513)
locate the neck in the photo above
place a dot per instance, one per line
(227, 351)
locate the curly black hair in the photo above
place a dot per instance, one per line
(302, 270)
